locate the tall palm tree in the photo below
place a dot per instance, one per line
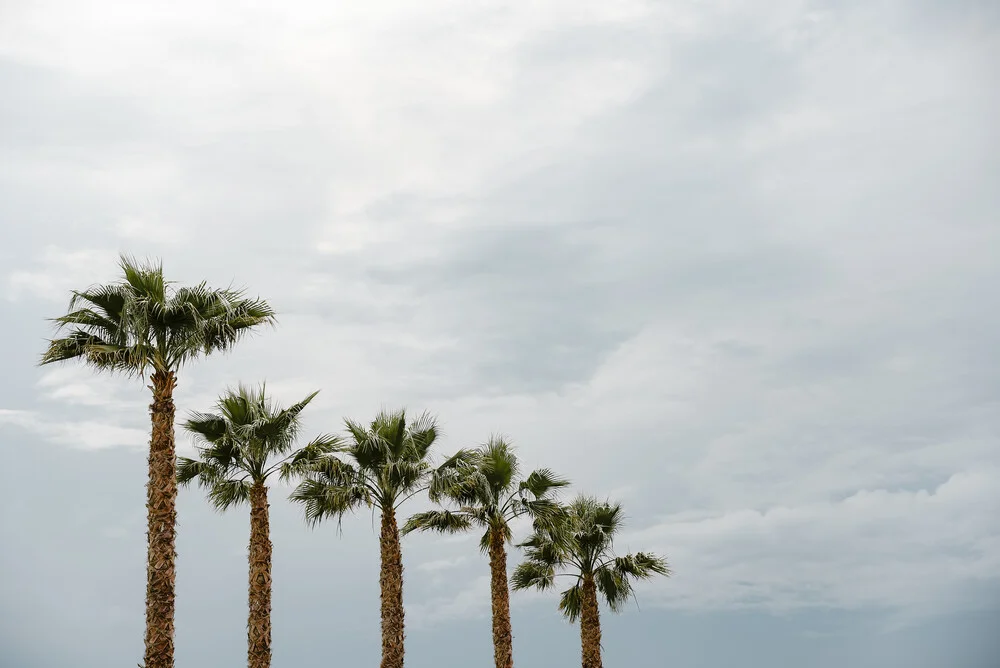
(237, 449)
(580, 545)
(380, 466)
(143, 324)
(487, 490)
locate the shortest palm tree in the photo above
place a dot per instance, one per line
(581, 543)
(237, 448)
(486, 487)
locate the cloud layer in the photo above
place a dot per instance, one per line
(732, 264)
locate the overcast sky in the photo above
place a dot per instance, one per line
(734, 264)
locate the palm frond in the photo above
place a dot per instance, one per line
(321, 500)
(614, 586)
(546, 513)
(571, 602)
(642, 565)
(448, 479)
(533, 574)
(499, 465)
(303, 459)
(423, 432)
(207, 427)
(442, 521)
(542, 482)
(226, 493)
(188, 469)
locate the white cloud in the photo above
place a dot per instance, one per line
(917, 553)
(470, 601)
(146, 231)
(60, 271)
(76, 384)
(81, 434)
(441, 564)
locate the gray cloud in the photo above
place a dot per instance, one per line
(731, 265)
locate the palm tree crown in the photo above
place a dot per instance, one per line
(239, 443)
(582, 544)
(381, 465)
(142, 322)
(485, 486)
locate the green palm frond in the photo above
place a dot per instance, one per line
(614, 586)
(300, 462)
(398, 477)
(542, 482)
(533, 574)
(642, 565)
(544, 512)
(206, 427)
(499, 465)
(442, 521)
(322, 500)
(448, 480)
(424, 431)
(571, 602)
(189, 469)
(226, 493)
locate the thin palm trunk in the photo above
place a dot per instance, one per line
(503, 641)
(259, 620)
(391, 584)
(590, 624)
(161, 506)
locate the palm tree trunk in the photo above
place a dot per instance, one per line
(590, 625)
(259, 621)
(391, 584)
(503, 640)
(161, 507)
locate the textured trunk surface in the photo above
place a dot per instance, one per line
(590, 625)
(161, 500)
(259, 621)
(391, 584)
(503, 639)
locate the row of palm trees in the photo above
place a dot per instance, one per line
(143, 326)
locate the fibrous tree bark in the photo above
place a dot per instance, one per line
(259, 620)
(503, 641)
(590, 624)
(391, 586)
(161, 507)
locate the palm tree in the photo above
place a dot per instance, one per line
(580, 543)
(238, 446)
(143, 324)
(382, 465)
(486, 487)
